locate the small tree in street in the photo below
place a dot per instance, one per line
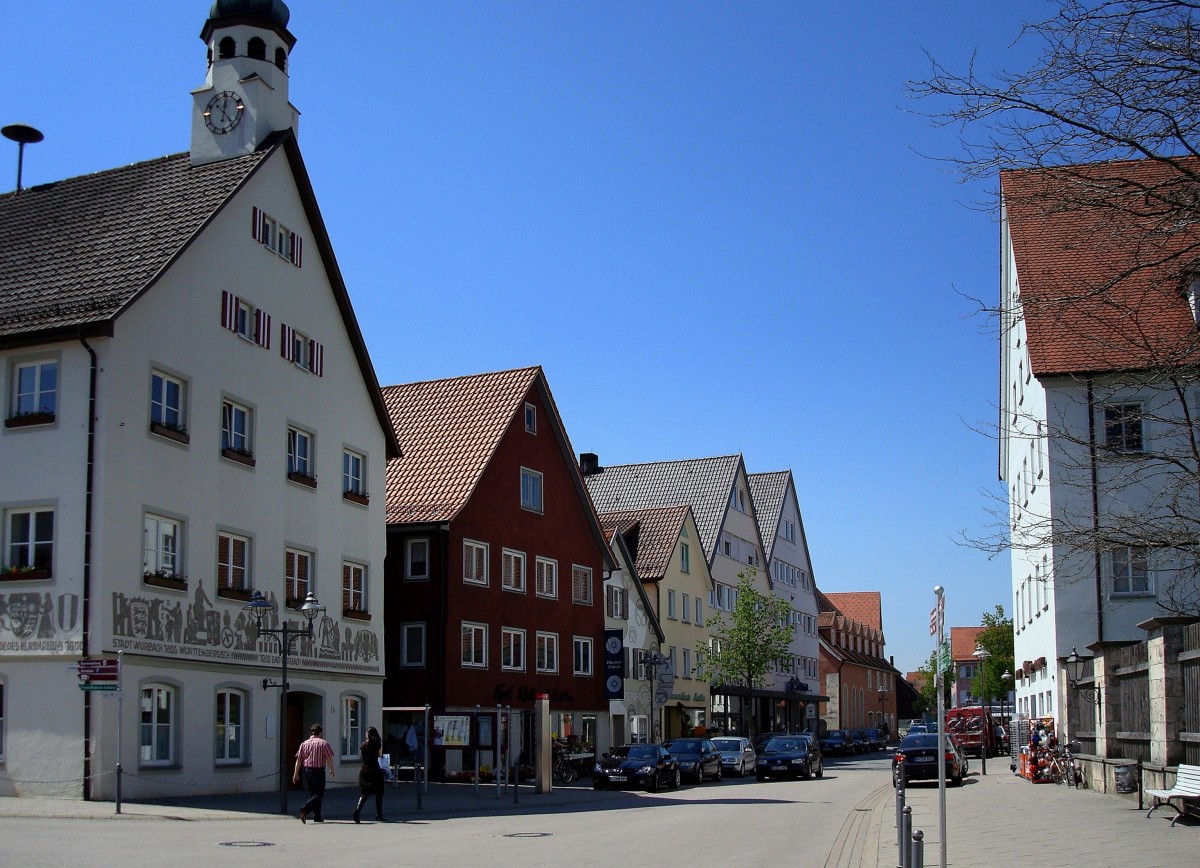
(997, 640)
(927, 700)
(748, 641)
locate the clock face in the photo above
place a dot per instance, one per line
(223, 112)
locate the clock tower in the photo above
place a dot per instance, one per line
(244, 98)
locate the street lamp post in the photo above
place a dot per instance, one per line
(982, 655)
(1005, 718)
(882, 691)
(285, 636)
(653, 661)
(939, 623)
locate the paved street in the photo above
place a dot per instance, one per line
(845, 820)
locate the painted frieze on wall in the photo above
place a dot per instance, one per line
(150, 624)
(40, 622)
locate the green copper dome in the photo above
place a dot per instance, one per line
(270, 11)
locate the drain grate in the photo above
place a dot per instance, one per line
(247, 844)
(528, 834)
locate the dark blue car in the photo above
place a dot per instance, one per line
(636, 765)
(837, 741)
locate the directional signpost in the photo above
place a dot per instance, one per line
(104, 675)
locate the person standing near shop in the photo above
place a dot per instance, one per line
(314, 756)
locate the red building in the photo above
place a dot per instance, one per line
(860, 681)
(495, 559)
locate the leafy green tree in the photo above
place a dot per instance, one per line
(997, 639)
(926, 702)
(746, 642)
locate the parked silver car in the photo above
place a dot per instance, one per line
(737, 754)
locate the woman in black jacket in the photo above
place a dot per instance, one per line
(370, 776)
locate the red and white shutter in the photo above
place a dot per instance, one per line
(229, 310)
(262, 329)
(256, 225)
(285, 342)
(316, 358)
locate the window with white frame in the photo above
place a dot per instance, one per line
(237, 435)
(789, 530)
(35, 389)
(475, 562)
(699, 610)
(29, 542)
(584, 664)
(512, 565)
(1123, 427)
(229, 744)
(233, 562)
(416, 560)
(300, 453)
(1131, 570)
(671, 603)
(616, 602)
(686, 671)
(581, 584)
(474, 645)
(353, 478)
(530, 418)
(297, 575)
(547, 652)
(531, 490)
(737, 499)
(685, 558)
(162, 554)
(167, 407)
(512, 649)
(547, 577)
(352, 726)
(639, 728)
(687, 609)
(412, 644)
(354, 587)
(156, 745)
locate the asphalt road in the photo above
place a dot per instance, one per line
(735, 822)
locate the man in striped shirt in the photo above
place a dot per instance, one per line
(313, 757)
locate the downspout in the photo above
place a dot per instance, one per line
(442, 664)
(87, 563)
(1097, 554)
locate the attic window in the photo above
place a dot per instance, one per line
(257, 49)
(226, 48)
(530, 418)
(281, 59)
(1193, 296)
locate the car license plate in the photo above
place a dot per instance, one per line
(620, 778)
(779, 768)
(923, 759)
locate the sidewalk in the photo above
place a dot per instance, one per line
(1002, 819)
(400, 802)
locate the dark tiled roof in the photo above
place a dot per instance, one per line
(449, 430)
(650, 535)
(1101, 264)
(76, 252)
(768, 491)
(702, 483)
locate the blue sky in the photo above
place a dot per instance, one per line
(709, 222)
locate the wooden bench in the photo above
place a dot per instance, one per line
(1187, 787)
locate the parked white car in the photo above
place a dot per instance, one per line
(737, 754)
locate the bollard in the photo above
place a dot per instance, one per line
(917, 858)
(418, 775)
(119, 790)
(906, 835)
(899, 812)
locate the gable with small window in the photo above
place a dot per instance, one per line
(531, 490)
(276, 237)
(530, 418)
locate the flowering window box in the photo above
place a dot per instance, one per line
(356, 614)
(238, 455)
(302, 479)
(171, 432)
(355, 497)
(162, 579)
(23, 574)
(24, 420)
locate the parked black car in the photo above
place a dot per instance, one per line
(790, 756)
(876, 739)
(861, 743)
(837, 741)
(760, 740)
(636, 765)
(916, 759)
(698, 758)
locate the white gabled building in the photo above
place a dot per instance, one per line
(190, 415)
(1097, 396)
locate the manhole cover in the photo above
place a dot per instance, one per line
(247, 844)
(528, 835)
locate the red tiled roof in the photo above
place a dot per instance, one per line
(963, 641)
(866, 607)
(1101, 257)
(450, 429)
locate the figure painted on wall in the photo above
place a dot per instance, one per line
(32, 615)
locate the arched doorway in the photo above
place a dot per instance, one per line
(303, 710)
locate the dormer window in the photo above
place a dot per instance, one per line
(226, 48)
(1193, 297)
(257, 49)
(281, 59)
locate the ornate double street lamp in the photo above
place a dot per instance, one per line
(285, 636)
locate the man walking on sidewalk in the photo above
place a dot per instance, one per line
(314, 755)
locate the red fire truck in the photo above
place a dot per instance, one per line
(973, 728)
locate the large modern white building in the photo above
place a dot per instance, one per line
(1097, 408)
(190, 415)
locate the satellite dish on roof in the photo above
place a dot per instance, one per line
(23, 135)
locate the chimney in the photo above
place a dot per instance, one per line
(589, 463)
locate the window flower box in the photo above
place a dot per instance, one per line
(241, 456)
(24, 420)
(302, 478)
(355, 497)
(356, 615)
(23, 574)
(240, 594)
(178, 433)
(165, 579)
